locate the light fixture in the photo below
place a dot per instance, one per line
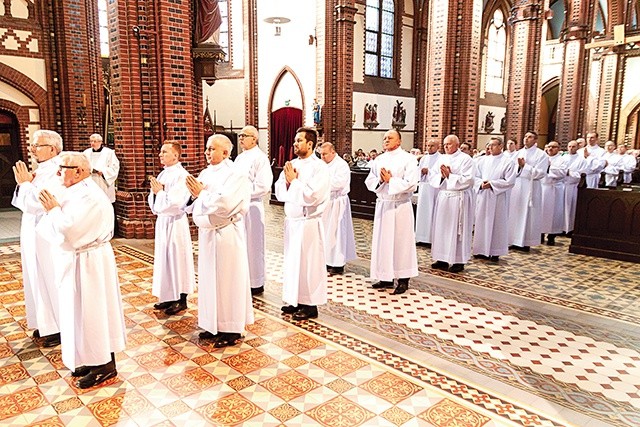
(277, 21)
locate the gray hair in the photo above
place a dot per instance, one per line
(96, 136)
(221, 139)
(72, 158)
(254, 132)
(52, 137)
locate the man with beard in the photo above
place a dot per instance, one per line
(304, 187)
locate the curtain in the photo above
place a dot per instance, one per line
(284, 123)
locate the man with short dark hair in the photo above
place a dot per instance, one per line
(426, 194)
(553, 194)
(304, 187)
(525, 202)
(393, 177)
(173, 272)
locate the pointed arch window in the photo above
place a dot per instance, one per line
(223, 39)
(104, 30)
(379, 38)
(496, 53)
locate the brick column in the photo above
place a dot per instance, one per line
(75, 77)
(527, 23)
(250, 18)
(337, 111)
(154, 98)
(453, 70)
(574, 78)
(609, 93)
(421, 43)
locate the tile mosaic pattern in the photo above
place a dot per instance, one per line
(167, 376)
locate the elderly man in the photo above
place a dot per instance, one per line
(340, 245)
(525, 201)
(553, 194)
(453, 213)
(304, 187)
(91, 319)
(104, 166)
(254, 164)
(593, 154)
(220, 198)
(576, 164)
(173, 273)
(495, 176)
(426, 194)
(393, 177)
(38, 265)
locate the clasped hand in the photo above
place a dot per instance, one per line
(194, 186)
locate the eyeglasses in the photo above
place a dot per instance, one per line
(36, 146)
(244, 135)
(61, 167)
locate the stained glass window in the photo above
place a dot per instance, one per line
(379, 29)
(496, 52)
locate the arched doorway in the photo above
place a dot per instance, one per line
(286, 106)
(9, 155)
(549, 112)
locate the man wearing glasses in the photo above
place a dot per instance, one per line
(104, 166)
(40, 286)
(254, 164)
(92, 323)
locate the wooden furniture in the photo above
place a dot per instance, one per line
(608, 223)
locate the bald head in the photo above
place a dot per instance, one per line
(451, 144)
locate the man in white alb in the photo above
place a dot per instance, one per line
(576, 165)
(38, 253)
(339, 244)
(173, 272)
(426, 194)
(614, 164)
(304, 187)
(254, 164)
(525, 201)
(104, 166)
(495, 176)
(393, 177)
(91, 318)
(553, 194)
(629, 163)
(220, 198)
(453, 174)
(593, 153)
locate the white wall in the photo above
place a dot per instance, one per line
(385, 109)
(33, 68)
(226, 101)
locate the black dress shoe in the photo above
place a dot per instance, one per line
(494, 258)
(456, 268)
(520, 248)
(382, 285)
(257, 291)
(36, 333)
(551, 239)
(440, 265)
(401, 288)
(225, 339)
(424, 244)
(163, 305)
(480, 256)
(175, 308)
(97, 376)
(81, 371)
(289, 309)
(306, 312)
(206, 335)
(51, 340)
(336, 270)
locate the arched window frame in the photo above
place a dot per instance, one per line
(381, 59)
(495, 65)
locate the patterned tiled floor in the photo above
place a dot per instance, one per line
(545, 338)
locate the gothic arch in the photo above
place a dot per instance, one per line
(24, 84)
(627, 130)
(549, 110)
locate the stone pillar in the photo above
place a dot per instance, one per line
(453, 70)
(527, 24)
(75, 77)
(338, 109)
(154, 98)
(574, 78)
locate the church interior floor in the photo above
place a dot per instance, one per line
(546, 338)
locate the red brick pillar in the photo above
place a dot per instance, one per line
(337, 111)
(574, 78)
(453, 70)
(75, 77)
(527, 22)
(154, 98)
